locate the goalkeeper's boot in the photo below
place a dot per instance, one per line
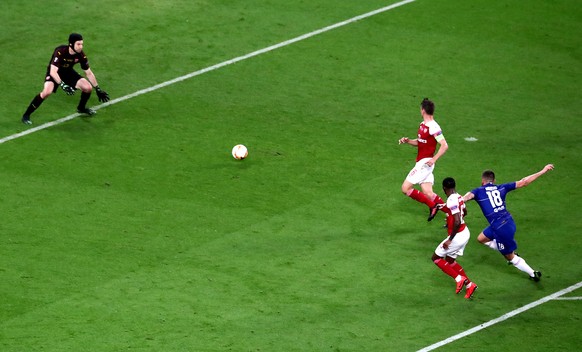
(26, 120)
(86, 111)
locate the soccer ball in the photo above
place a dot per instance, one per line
(239, 152)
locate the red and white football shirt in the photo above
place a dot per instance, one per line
(428, 133)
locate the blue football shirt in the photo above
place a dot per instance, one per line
(491, 199)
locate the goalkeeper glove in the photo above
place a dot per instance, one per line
(67, 88)
(102, 95)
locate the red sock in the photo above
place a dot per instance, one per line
(446, 267)
(420, 197)
(437, 199)
(458, 268)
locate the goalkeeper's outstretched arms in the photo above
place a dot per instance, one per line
(101, 94)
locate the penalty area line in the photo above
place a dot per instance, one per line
(211, 68)
(502, 318)
(568, 299)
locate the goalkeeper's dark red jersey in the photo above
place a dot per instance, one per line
(64, 60)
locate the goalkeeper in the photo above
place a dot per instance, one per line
(60, 73)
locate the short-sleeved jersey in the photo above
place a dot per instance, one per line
(64, 60)
(491, 200)
(428, 132)
(455, 205)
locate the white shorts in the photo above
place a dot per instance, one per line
(421, 173)
(456, 247)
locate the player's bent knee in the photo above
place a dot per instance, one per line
(84, 86)
(482, 238)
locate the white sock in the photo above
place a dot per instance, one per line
(520, 263)
(491, 244)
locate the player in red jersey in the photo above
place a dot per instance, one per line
(429, 136)
(446, 253)
(60, 72)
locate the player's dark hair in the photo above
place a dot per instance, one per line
(74, 37)
(428, 106)
(449, 183)
(488, 175)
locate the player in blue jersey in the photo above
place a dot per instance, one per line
(500, 233)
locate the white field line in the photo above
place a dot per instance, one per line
(502, 318)
(211, 68)
(568, 298)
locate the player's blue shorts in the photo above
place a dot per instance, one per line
(504, 234)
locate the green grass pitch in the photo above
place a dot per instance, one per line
(136, 230)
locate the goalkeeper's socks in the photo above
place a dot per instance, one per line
(34, 104)
(83, 102)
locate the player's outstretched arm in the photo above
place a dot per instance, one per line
(101, 94)
(91, 77)
(529, 179)
(469, 196)
(54, 73)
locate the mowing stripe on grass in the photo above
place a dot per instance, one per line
(502, 318)
(211, 68)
